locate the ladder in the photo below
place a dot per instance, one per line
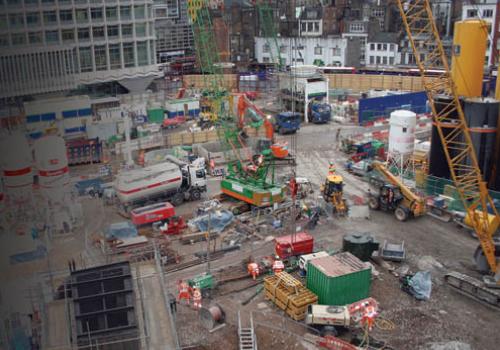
(246, 335)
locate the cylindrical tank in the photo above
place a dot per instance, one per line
(469, 50)
(402, 133)
(438, 166)
(16, 161)
(481, 115)
(52, 164)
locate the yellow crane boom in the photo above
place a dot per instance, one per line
(422, 32)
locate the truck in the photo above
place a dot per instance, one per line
(287, 122)
(319, 112)
(156, 215)
(173, 180)
(304, 259)
(292, 245)
(327, 318)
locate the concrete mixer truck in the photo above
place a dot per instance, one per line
(173, 180)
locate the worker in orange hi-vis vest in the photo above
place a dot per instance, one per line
(278, 266)
(368, 318)
(253, 269)
(184, 291)
(197, 299)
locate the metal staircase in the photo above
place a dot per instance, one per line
(248, 341)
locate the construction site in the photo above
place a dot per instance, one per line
(296, 206)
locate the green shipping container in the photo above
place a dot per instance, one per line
(339, 279)
(156, 115)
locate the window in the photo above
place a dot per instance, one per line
(422, 57)
(13, 2)
(378, 59)
(85, 59)
(111, 13)
(142, 53)
(113, 32)
(16, 20)
(377, 12)
(266, 60)
(115, 59)
(357, 27)
(128, 54)
(282, 48)
(266, 48)
(309, 27)
(384, 60)
(18, 39)
(488, 13)
(372, 60)
(68, 35)
(384, 47)
(100, 57)
(98, 33)
(139, 12)
(316, 27)
(32, 19)
(391, 60)
(303, 26)
(66, 16)
(127, 30)
(4, 40)
(3, 21)
(35, 37)
(372, 47)
(379, 47)
(318, 50)
(125, 12)
(336, 51)
(96, 14)
(391, 47)
(471, 13)
(81, 15)
(83, 34)
(48, 2)
(49, 17)
(30, 2)
(52, 36)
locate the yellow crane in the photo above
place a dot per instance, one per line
(453, 131)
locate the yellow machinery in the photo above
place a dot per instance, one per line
(469, 49)
(333, 191)
(395, 196)
(419, 23)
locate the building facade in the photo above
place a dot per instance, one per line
(58, 45)
(304, 50)
(486, 10)
(383, 51)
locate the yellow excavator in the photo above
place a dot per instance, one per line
(393, 195)
(451, 125)
(333, 191)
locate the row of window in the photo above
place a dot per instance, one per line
(486, 13)
(381, 60)
(318, 50)
(27, 3)
(382, 47)
(98, 56)
(34, 19)
(70, 35)
(309, 27)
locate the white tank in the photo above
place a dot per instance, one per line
(402, 132)
(52, 164)
(16, 162)
(141, 183)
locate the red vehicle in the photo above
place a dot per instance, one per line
(287, 246)
(163, 212)
(174, 122)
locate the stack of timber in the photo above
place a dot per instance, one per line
(289, 294)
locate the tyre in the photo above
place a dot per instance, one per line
(401, 213)
(92, 193)
(329, 330)
(177, 199)
(373, 203)
(195, 195)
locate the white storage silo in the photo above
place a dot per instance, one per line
(52, 164)
(16, 163)
(402, 133)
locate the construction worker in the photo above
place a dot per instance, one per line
(368, 318)
(278, 266)
(253, 269)
(184, 291)
(331, 168)
(196, 298)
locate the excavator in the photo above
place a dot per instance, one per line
(395, 196)
(333, 191)
(451, 125)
